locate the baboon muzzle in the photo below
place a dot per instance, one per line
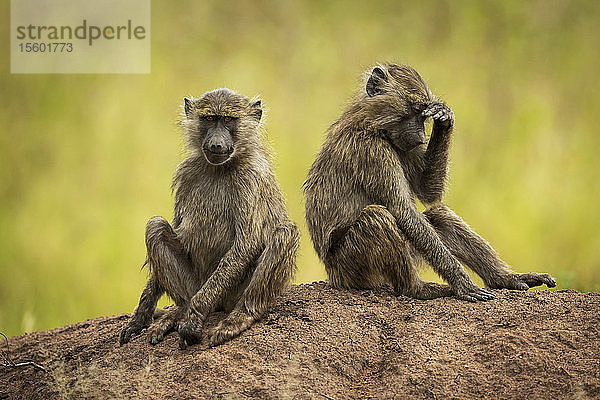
(218, 145)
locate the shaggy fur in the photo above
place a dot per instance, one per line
(231, 244)
(360, 197)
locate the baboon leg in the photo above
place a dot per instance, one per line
(170, 272)
(166, 323)
(143, 313)
(373, 251)
(474, 251)
(275, 268)
(170, 263)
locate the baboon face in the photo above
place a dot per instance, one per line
(407, 133)
(221, 122)
(398, 96)
(218, 140)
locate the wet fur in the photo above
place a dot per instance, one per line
(231, 244)
(360, 197)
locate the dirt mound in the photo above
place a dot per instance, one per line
(318, 342)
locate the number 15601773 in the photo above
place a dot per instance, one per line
(50, 47)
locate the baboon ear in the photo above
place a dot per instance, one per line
(375, 82)
(187, 106)
(257, 109)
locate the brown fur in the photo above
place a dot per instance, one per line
(231, 244)
(360, 197)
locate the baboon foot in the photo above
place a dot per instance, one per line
(469, 291)
(133, 328)
(517, 281)
(235, 323)
(165, 324)
(432, 290)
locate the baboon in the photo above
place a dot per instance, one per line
(231, 244)
(360, 198)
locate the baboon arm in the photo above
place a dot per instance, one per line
(435, 167)
(395, 194)
(229, 273)
(426, 240)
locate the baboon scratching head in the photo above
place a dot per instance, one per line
(360, 197)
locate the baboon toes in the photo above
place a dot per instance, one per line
(466, 289)
(525, 281)
(533, 279)
(220, 336)
(132, 329)
(224, 332)
(230, 327)
(511, 283)
(161, 328)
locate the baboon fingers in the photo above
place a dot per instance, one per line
(431, 109)
(475, 294)
(438, 115)
(182, 344)
(466, 297)
(156, 337)
(518, 285)
(473, 297)
(439, 111)
(190, 333)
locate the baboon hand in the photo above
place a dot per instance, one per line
(469, 291)
(190, 332)
(133, 328)
(440, 113)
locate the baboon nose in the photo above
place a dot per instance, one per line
(216, 148)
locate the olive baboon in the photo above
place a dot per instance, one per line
(231, 245)
(360, 205)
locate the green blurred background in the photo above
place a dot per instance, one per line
(85, 160)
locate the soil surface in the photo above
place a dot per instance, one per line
(322, 343)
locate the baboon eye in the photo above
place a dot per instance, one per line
(228, 120)
(209, 118)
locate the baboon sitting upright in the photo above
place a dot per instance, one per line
(360, 198)
(231, 245)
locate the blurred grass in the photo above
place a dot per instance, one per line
(85, 160)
